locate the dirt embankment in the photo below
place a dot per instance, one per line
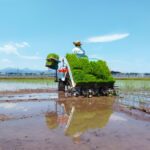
(4, 117)
(133, 112)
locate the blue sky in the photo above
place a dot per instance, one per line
(117, 31)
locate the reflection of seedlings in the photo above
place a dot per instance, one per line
(78, 115)
(88, 115)
(51, 120)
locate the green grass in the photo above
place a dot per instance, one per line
(28, 80)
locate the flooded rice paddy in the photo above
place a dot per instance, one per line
(15, 85)
(43, 118)
(134, 94)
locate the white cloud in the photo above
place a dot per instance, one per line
(31, 57)
(13, 48)
(9, 49)
(107, 38)
(22, 45)
(5, 60)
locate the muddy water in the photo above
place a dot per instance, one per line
(28, 97)
(71, 123)
(24, 91)
(15, 86)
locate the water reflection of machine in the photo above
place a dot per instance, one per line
(79, 76)
(78, 116)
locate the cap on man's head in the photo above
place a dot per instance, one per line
(77, 43)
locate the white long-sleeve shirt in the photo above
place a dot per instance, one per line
(78, 50)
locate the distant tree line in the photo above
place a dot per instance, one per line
(129, 75)
(18, 74)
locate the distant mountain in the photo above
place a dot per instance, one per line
(24, 70)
